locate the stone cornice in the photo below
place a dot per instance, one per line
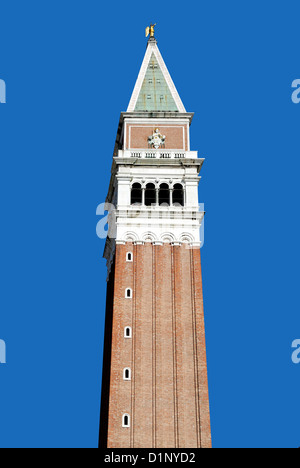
(157, 115)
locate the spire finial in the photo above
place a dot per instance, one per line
(150, 31)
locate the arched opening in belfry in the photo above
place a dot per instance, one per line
(164, 195)
(178, 195)
(136, 194)
(150, 195)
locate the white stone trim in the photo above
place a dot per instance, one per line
(187, 238)
(195, 245)
(168, 237)
(157, 153)
(129, 237)
(125, 135)
(165, 121)
(149, 237)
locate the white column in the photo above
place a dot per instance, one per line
(157, 196)
(191, 193)
(124, 192)
(171, 196)
(143, 195)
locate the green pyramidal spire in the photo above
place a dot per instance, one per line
(154, 90)
(155, 94)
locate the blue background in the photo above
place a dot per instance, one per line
(70, 68)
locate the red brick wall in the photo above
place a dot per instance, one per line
(167, 398)
(165, 343)
(176, 136)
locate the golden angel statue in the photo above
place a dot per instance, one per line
(150, 30)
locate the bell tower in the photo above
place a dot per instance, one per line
(154, 385)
